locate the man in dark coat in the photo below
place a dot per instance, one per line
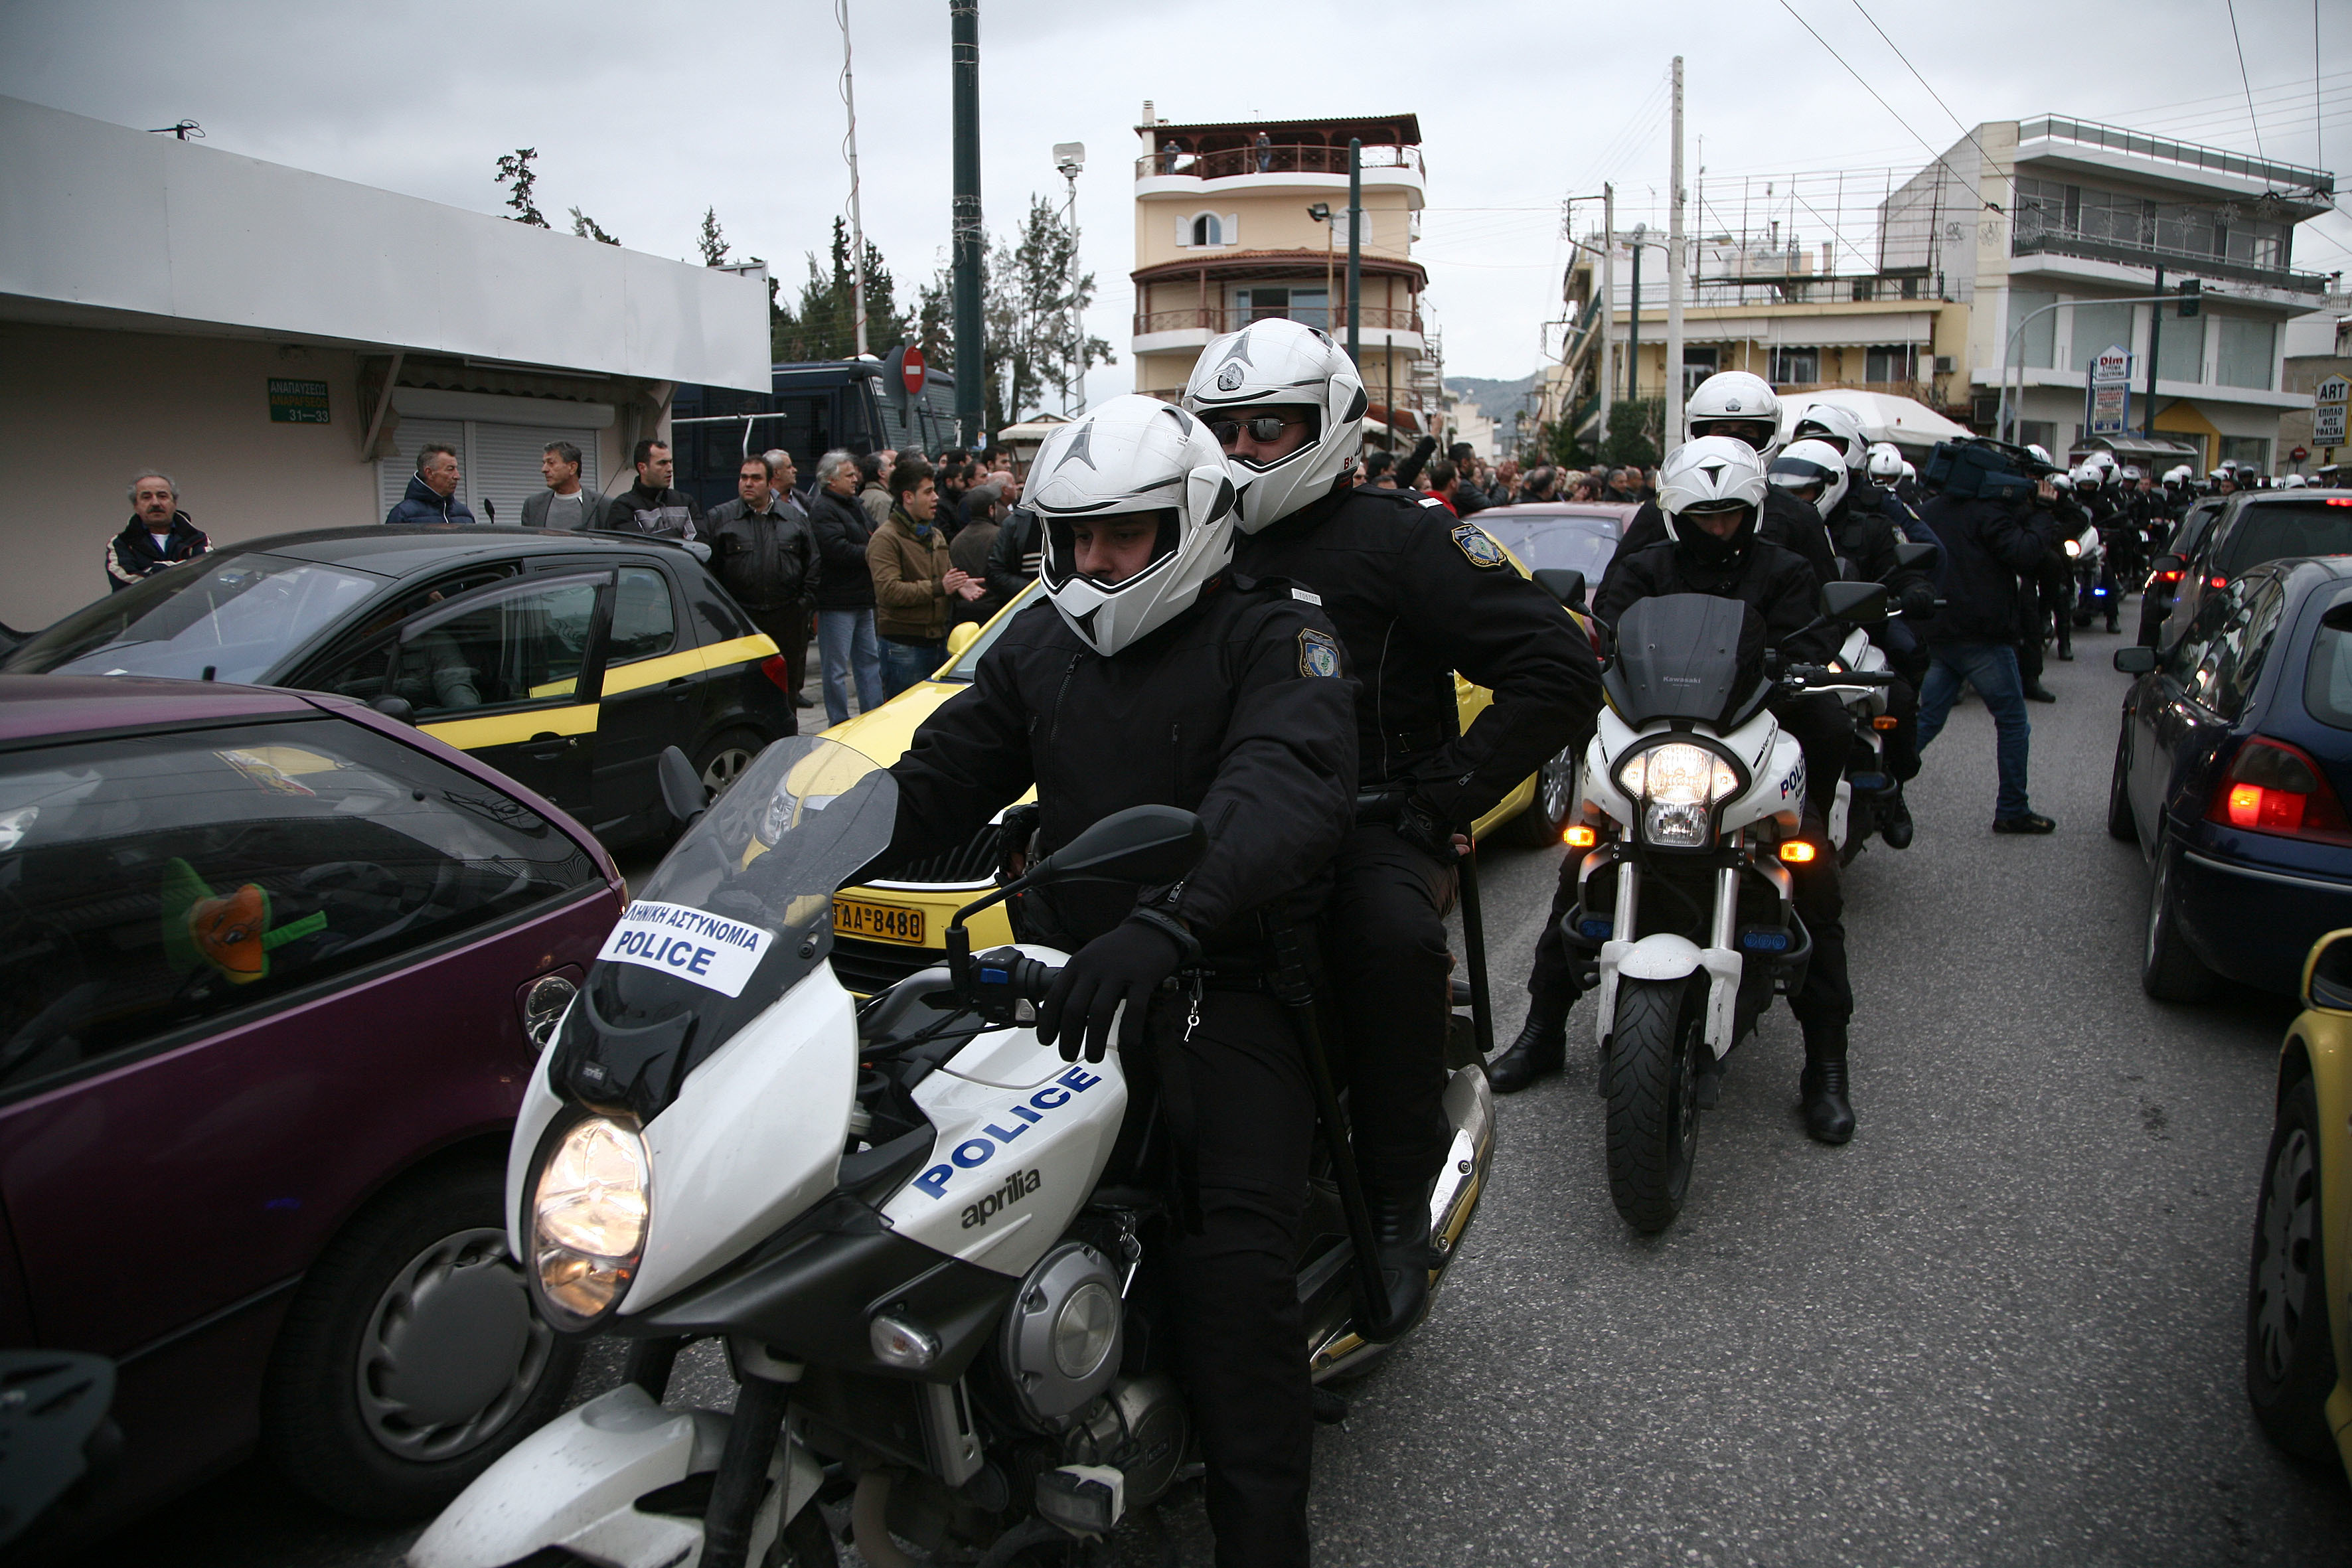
(651, 506)
(158, 537)
(432, 490)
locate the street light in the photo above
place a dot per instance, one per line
(1321, 212)
(1070, 160)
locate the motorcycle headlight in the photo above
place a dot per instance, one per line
(2074, 547)
(1676, 783)
(588, 1215)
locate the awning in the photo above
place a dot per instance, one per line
(2137, 448)
(1904, 421)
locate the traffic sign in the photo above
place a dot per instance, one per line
(2298, 455)
(911, 371)
(2327, 411)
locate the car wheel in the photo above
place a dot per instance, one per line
(2119, 813)
(412, 1357)
(723, 758)
(2290, 1352)
(2168, 970)
(1546, 818)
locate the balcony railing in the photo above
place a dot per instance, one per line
(2136, 142)
(1216, 318)
(1226, 163)
(2055, 241)
(1917, 391)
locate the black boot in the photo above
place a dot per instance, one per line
(1829, 1115)
(1540, 1050)
(1895, 820)
(1400, 1237)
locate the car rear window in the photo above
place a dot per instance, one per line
(1571, 543)
(153, 882)
(2327, 679)
(2277, 530)
(232, 616)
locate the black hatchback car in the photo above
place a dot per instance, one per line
(2231, 772)
(2239, 533)
(568, 661)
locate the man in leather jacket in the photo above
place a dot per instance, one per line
(1158, 674)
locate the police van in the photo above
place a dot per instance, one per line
(859, 404)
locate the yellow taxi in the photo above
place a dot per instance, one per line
(2299, 1288)
(884, 931)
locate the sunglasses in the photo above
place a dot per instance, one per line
(1263, 427)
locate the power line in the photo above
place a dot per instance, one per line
(1857, 76)
(2318, 159)
(1923, 83)
(2244, 80)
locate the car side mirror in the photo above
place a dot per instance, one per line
(2135, 660)
(1855, 604)
(961, 637)
(681, 787)
(1563, 583)
(397, 708)
(1141, 844)
(2328, 973)
(1912, 557)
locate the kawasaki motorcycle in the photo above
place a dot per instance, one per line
(930, 1246)
(1694, 799)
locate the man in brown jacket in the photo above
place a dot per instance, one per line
(915, 584)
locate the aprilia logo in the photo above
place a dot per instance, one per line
(1017, 1186)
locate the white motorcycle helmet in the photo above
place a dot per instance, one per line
(1838, 427)
(2131, 475)
(1712, 473)
(1885, 463)
(2293, 482)
(1812, 466)
(1732, 399)
(1910, 473)
(2041, 452)
(1284, 362)
(1132, 454)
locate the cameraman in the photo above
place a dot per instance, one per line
(1989, 541)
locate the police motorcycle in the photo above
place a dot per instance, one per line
(927, 1243)
(2086, 552)
(1684, 905)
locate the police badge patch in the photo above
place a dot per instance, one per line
(1318, 653)
(1476, 542)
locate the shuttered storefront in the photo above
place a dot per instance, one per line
(497, 460)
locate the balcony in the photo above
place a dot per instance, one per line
(2133, 143)
(1214, 319)
(1231, 163)
(2050, 239)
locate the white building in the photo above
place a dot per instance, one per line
(2044, 227)
(281, 344)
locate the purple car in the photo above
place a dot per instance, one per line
(273, 971)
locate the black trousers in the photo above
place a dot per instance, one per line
(787, 626)
(1240, 1113)
(1903, 706)
(1386, 961)
(1821, 726)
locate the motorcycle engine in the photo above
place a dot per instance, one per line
(1140, 1429)
(1061, 1340)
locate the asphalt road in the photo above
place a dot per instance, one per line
(2002, 1326)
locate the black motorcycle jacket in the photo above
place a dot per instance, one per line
(1986, 544)
(1790, 523)
(768, 560)
(1418, 594)
(1774, 582)
(1241, 709)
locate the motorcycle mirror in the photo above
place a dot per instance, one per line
(681, 787)
(398, 708)
(1562, 583)
(1910, 557)
(2135, 660)
(1141, 844)
(1855, 604)
(961, 637)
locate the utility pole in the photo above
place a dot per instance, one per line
(1608, 311)
(1355, 256)
(1633, 322)
(1070, 158)
(2154, 332)
(968, 236)
(856, 221)
(1673, 380)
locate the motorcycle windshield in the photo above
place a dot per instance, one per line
(1685, 656)
(735, 916)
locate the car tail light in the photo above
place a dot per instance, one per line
(2272, 788)
(2170, 577)
(2338, 500)
(775, 667)
(2217, 582)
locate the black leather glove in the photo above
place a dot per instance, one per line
(1125, 964)
(1420, 827)
(1918, 601)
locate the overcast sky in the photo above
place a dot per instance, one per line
(646, 112)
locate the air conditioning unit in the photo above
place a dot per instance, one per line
(1945, 365)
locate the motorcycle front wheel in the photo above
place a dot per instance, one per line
(1660, 1028)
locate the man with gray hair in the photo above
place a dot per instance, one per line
(562, 504)
(432, 490)
(158, 537)
(845, 638)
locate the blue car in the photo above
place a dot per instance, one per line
(2231, 773)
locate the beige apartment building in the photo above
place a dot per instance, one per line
(1224, 236)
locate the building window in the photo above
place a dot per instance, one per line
(1795, 367)
(1890, 362)
(2041, 433)
(1698, 363)
(2179, 348)
(1263, 302)
(2097, 329)
(1210, 229)
(2037, 341)
(2245, 449)
(2249, 352)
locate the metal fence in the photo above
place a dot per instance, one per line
(1228, 162)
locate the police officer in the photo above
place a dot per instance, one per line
(1712, 491)
(1743, 406)
(1416, 595)
(1158, 675)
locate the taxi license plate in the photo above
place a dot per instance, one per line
(878, 922)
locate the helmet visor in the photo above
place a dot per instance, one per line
(1112, 550)
(1756, 433)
